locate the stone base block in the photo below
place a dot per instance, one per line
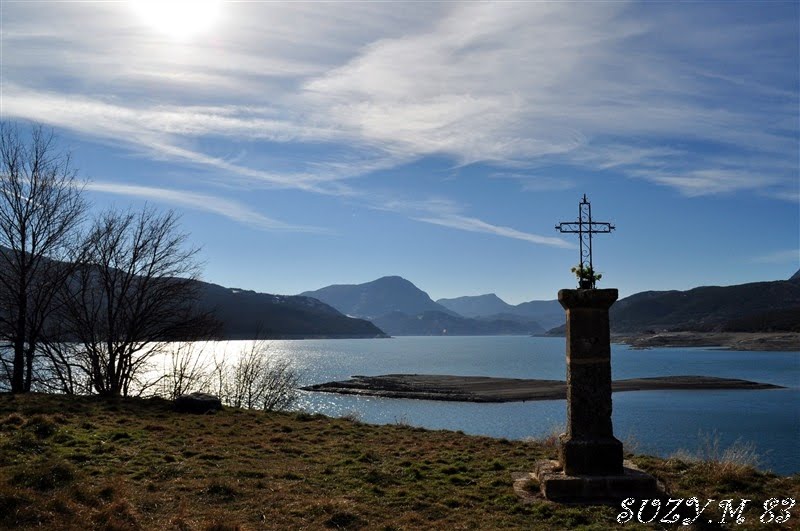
(591, 457)
(558, 486)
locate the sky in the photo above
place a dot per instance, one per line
(309, 144)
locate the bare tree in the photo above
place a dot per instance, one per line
(135, 292)
(41, 209)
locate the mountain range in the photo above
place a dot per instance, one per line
(395, 306)
(546, 313)
(245, 314)
(752, 307)
(398, 307)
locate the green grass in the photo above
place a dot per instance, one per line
(84, 462)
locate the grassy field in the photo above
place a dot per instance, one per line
(83, 462)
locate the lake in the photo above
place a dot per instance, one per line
(653, 422)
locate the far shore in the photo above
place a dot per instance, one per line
(487, 389)
(745, 341)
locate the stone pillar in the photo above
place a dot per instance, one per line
(590, 468)
(589, 447)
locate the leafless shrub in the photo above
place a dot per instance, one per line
(402, 420)
(631, 444)
(551, 439)
(257, 380)
(353, 416)
(184, 370)
(280, 382)
(740, 458)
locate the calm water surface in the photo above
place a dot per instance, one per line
(655, 422)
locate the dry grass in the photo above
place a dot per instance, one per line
(77, 463)
(550, 440)
(722, 465)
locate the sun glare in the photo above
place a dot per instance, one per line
(180, 19)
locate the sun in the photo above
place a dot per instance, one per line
(180, 19)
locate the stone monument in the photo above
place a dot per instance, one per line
(589, 446)
(590, 465)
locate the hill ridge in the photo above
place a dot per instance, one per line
(707, 308)
(246, 314)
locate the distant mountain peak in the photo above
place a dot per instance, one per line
(378, 297)
(489, 305)
(796, 276)
(484, 297)
(392, 279)
(477, 305)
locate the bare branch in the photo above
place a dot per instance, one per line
(133, 293)
(41, 209)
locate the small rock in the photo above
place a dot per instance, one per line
(198, 403)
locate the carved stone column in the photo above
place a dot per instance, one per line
(590, 467)
(589, 447)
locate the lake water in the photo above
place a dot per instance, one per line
(656, 422)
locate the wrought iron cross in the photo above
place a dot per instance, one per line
(585, 227)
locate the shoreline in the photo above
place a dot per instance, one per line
(737, 341)
(488, 389)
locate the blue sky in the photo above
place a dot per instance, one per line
(307, 144)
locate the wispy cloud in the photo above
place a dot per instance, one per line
(787, 256)
(532, 182)
(159, 131)
(481, 86)
(509, 85)
(786, 193)
(476, 225)
(448, 213)
(699, 182)
(233, 210)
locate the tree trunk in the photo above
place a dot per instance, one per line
(18, 376)
(29, 354)
(18, 380)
